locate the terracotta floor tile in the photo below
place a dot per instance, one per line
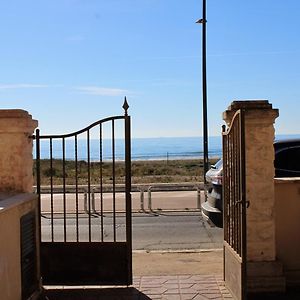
(153, 297)
(155, 291)
(188, 296)
(172, 292)
(171, 286)
(186, 285)
(214, 296)
(201, 287)
(199, 297)
(171, 297)
(172, 281)
(210, 291)
(188, 291)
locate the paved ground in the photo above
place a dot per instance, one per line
(183, 287)
(166, 275)
(162, 275)
(177, 263)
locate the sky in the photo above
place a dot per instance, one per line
(72, 62)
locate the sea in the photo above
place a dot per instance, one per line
(163, 148)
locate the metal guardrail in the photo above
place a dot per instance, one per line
(90, 208)
(107, 188)
(151, 189)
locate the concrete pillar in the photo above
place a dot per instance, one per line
(16, 162)
(259, 155)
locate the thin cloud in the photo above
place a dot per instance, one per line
(75, 38)
(102, 91)
(16, 86)
(186, 57)
(251, 53)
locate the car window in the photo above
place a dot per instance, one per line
(219, 164)
(288, 159)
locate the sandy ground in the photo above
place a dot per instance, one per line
(177, 263)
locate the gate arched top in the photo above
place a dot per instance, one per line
(75, 133)
(238, 114)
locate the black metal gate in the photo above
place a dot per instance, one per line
(84, 185)
(234, 208)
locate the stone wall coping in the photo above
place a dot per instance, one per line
(257, 111)
(14, 113)
(16, 121)
(9, 201)
(250, 104)
(287, 180)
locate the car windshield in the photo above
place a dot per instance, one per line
(288, 159)
(218, 164)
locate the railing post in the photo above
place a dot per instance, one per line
(142, 199)
(149, 199)
(93, 201)
(198, 198)
(85, 204)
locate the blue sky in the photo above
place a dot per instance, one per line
(71, 62)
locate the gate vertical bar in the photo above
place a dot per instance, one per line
(64, 189)
(225, 226)
(76, 188)
(51, 190)
(114, 178)
(128, 190)
(101, 181)
(89, 184)
(244, 206)
(38, 181)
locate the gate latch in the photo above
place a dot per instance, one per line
(240, 202)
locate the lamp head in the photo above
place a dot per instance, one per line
(200, 21)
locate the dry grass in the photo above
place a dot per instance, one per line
(155, 171)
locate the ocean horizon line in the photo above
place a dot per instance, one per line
(141, 148)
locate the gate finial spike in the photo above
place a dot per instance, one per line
(125, 106)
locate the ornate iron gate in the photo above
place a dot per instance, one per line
(86, 234)
(234, 208)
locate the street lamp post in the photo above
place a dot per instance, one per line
(204, 91)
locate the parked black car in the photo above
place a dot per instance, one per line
(286, 163)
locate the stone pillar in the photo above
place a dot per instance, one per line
(259, 155)
(16, 162)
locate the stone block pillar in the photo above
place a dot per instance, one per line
(16, 162)
(259, 155)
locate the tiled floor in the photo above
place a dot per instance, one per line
(183, 287)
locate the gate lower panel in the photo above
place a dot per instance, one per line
(233, 271)
(85, 263)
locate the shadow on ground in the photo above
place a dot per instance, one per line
(96, 294)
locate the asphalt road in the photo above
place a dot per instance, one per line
(161, 231)
(175, 231)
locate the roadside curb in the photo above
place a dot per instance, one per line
(178, 251)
